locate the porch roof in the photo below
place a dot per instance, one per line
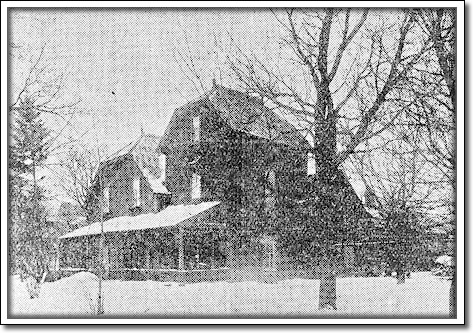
(182, 215)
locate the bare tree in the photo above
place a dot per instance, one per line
(343, 85)
(347, 77)
(433, 90)
(79, 167)
(436, 107)
(404, 191)
(43, 86)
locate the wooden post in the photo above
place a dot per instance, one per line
(349, 256)
(106, 257)
(147, 252)
(180, 242)
(214, 243)
(58, 259)
(230, 256)
(114, 251)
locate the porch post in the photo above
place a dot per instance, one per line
(87, 253)
(180, 242)
(58, 259)
(147, 251)
(121, 251)
(230, 256)
(214, 242)
(120, 255)
(106, 256)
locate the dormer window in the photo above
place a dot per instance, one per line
(311, 165)
(106, 200)
(136, 192)
(196, 128)
(195, 186)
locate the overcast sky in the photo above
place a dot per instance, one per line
(135, 54)
(125, 66)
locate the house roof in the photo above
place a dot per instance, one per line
(243, 113)
(145, 152)
(178, 215)
(248, 114)
(345, 191)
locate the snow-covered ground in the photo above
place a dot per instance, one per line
(422, 295)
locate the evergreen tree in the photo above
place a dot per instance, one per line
(30, 231)
(404, 232)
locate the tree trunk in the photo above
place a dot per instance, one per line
(401, 274)
(453, 297)
(327, 187)
(328, 289)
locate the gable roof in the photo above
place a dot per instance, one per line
(145, 152)
(243, 113)
(248, 114)
(343, 189)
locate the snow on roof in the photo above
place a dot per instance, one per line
(445, 260)
(374, 212)
(156, 183)
(170, 216)
(438, 230)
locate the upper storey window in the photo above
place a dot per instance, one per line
(162, 166)
(270, 191)
(136, 192)
(195, 186)
(272, 179)
(311, 166)
(106, 200)
(196, 128)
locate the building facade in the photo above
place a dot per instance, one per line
(201, 197)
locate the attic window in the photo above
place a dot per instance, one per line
(106, 200)
(136, 192)
(311, 165)
(196, 128)
(195, 186)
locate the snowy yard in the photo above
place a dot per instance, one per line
(422, 295)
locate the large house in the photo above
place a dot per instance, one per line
(201, 197)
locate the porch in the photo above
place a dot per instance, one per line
(162, 246)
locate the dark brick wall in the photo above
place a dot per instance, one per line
(120, 180)
(232, 165)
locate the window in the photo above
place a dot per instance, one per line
(272, 179)
(195, 186)
(349, 256)
(270, 191)
(196, 128)
(106, 200)
(136, 192)
(269, 255)
(311, 166)
(162, 166)
(157, 203)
